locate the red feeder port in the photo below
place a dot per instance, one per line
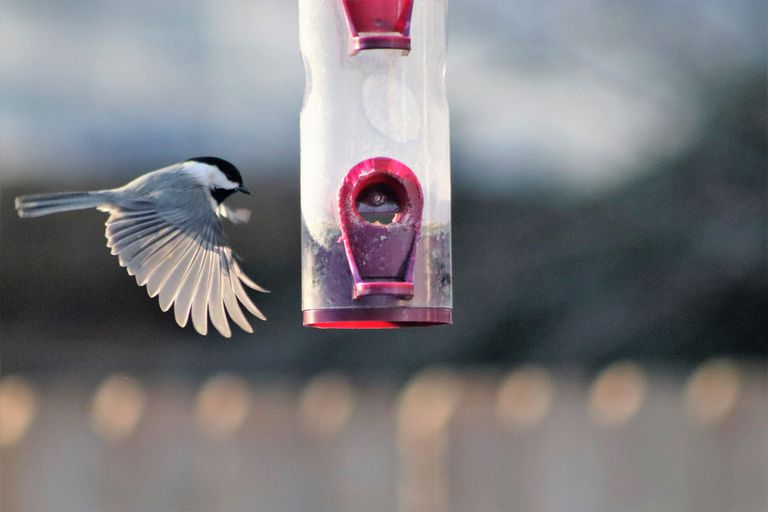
(378, 24)
(380, 206)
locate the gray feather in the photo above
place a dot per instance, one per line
(157, 257)
(200, 302)
(143, 229)
(230, 301)
(163, 271)
(45, 204)
(183, 303)
(242, 296)
(137, 253)
(179, 274)
(216, 300)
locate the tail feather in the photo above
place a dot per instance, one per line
(37, 205)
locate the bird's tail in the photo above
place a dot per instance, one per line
(44, 204)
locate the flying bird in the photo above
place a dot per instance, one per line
(165, 229)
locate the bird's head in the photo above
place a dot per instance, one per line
(220, 177)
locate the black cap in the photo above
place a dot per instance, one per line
(229, 170)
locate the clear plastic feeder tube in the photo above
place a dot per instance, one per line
(375, 164)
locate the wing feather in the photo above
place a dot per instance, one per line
(200, 302)
(134, 255)
(122, 223)
(120, 218)
(239, 272)
(181, 273)
(243, 297)
(158, 256)
(230, 300)
(138, 232)
(163, 271)
(215, 297)
(183, 303)
(247, 280)
(134, 258)
(176, 277)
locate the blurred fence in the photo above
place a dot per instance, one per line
(627, 438)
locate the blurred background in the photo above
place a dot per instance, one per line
(609, 240)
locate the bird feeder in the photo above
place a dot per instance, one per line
(375, 164)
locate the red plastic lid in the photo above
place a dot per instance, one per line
(378, 24)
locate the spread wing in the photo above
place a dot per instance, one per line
(184, 258)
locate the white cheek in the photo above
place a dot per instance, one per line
(200, 172)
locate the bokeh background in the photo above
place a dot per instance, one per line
(609, 347)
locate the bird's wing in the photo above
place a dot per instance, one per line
(184, 258)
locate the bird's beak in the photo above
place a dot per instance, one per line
(244, 190)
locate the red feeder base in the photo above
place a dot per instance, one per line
(376, 318)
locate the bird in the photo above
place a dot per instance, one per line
(165, 228)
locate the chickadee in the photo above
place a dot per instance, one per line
(164, 228)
